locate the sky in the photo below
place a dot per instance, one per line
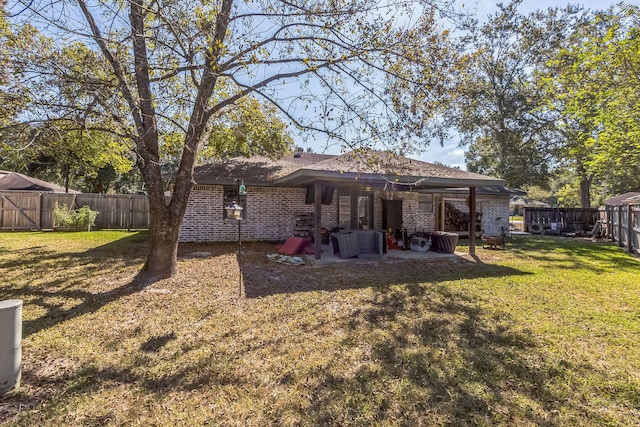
(451, 154)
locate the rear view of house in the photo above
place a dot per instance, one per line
(354, 191)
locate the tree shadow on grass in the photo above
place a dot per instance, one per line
(264, 278)
(574, 253)
(427, 353)
(92, 265)
(437, 358)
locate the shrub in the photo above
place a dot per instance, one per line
(81, 217)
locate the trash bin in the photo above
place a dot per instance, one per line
(444, 242)
(10, 344)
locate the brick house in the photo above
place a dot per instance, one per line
(354, 191)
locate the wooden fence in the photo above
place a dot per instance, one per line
(22, 210)
(622, 225)
(619, 224)
(537, 220)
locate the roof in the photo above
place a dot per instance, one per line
(257, 169)
(19, 182)
(365, 167)
(523, 201)
(624, 199)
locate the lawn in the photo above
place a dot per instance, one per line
(544, 333)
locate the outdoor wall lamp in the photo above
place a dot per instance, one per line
(234, 211)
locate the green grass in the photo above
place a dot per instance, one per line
(544, 333)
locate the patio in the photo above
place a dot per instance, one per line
(328, 257)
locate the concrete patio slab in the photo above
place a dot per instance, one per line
(328, 256)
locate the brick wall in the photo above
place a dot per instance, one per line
(270, 214)
(495, 214)
(494, 209)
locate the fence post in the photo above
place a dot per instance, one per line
(38, 212)
(630, 228)
(610, 220)
(130, 219)
(620, 244)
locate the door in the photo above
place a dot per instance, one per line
(391, 214)
(355, 212)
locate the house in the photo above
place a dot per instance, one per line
(368, 190)
(630, 198)
(14, 181)
(518, 203)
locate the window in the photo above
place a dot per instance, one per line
(425, 203)
(230, 196)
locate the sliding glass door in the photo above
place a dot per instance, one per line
(355, 211)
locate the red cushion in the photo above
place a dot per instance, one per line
(291, 246)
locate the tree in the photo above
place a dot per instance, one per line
(593, 88)
(178, 68)
(497, 108)
(59, 151)
(13, 95)
(72, 144)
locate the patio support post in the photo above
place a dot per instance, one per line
(317, 216)
(472, 220)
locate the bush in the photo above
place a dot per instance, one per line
(81, 217)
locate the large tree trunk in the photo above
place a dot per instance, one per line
(166, 219)
(585, 192)
(163, 254)
(165, 225)
(585, 188)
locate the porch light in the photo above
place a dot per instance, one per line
(234, 211)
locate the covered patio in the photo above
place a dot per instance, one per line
(383, 171)
(364, 191)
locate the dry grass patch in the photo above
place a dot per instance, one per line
(543, 333)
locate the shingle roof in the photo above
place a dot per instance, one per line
(19, 182)
(370, 166)
(257, 169)
(624, 199)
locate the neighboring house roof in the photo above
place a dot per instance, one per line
(624, 199)
(19, 182)
(369, 167)
(522, 201)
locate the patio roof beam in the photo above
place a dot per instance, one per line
(304, 176)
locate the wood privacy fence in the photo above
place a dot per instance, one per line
(21, 210)
(622, 225)
(537, 220)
